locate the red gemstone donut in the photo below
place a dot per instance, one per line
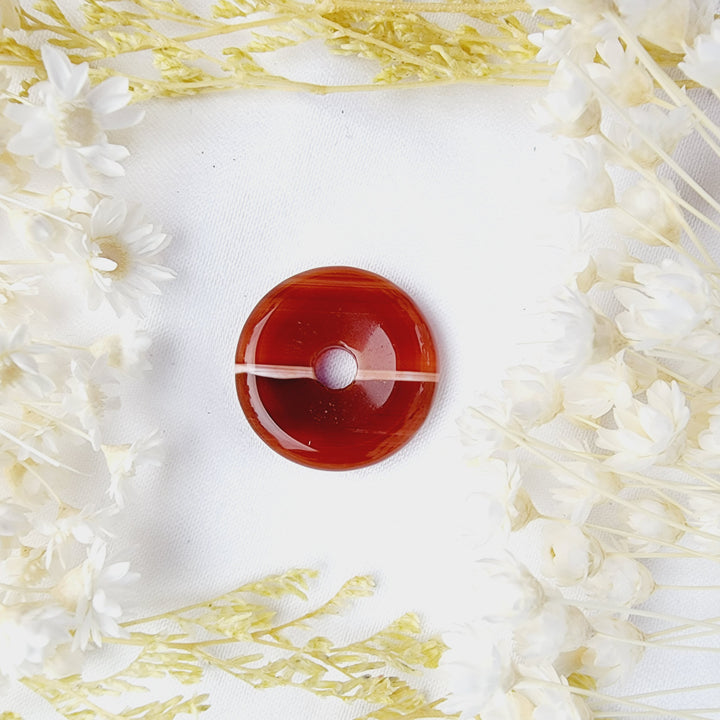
(282, 341)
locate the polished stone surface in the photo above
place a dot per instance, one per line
(289, 331)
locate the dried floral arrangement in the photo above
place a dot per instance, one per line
(606, 450)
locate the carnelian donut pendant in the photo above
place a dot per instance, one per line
(282, 391)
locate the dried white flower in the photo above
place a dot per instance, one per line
(665, 129)
(573, 41)
(622, 581)
(67, 129)
(568, 555)
(515, 594)
(119, 253)
(126, 349)
(483, 427)
(67, 527)
(477, 665)
(536, 396)
(707, 454)
(702, 61)
(13, 524)
(14, 294)
(556, 628)
(613, 651)
(511, 705)
(580, 334)
(654, 524)
(28, 637)
(613, 264)
(93, 391)
(704, 515)
(19, 369)
(587, 185)
(123, 462)
(672, 301)
(649, 214)
(578, 488)
(90, 592)
(594, 390)
(502, 506)
(647, 433)
(570, 107)
(621, 77)
(551, 696)
(671, 24)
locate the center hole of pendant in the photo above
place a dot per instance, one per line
(336, 368)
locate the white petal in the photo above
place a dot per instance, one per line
(124, 118)
(106, 166)
(67, 78)
(108, 217)
(74, 169)
(109, 96)
(103, 264)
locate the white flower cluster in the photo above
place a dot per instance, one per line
(607, 453)
(61, 479)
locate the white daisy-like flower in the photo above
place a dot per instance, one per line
(93, 391)
(13, 525)
(19, 368)
(702, 61)
(14, 294)
(477, 665)
(68, 527)
(126, 349)
(119, 253)
(123, 462)
(67, 128)
(90, 592)
(647, 433)
(28, 637)
(671, 24)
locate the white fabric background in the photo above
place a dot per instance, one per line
(445, 192)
